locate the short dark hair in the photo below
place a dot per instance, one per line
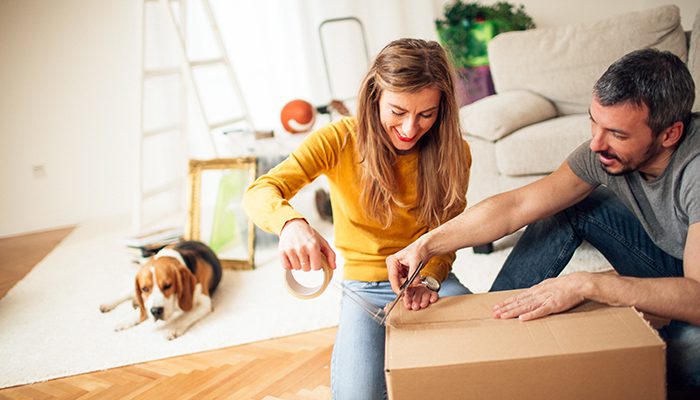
(656, 78)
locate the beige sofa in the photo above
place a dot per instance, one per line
(543, 80)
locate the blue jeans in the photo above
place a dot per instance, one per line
(357, 365)
(546, 247)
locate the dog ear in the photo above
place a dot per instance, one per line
(139, 299)
(187, 283)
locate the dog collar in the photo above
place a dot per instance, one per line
(170, 253)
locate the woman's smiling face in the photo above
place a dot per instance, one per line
(407, 116)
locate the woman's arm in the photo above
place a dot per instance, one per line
(266, 201)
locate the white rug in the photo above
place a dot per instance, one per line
(51, 326)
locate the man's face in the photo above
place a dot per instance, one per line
(621, 137)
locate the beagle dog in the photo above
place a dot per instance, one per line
(179, 278)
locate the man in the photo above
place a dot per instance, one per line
(632, 191)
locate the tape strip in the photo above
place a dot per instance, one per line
(304, 292)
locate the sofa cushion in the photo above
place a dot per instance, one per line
(542, 147)
(563, 63)
(496, 116)
(694, 59)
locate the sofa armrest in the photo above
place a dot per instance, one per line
(694, 59)
(496, 116)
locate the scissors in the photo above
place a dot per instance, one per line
(429, 282)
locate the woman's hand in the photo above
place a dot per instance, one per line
(419, 297)
(302, 247)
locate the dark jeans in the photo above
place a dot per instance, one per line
(547, 246)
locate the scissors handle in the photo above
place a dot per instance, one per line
(402, 291)
(412, 278)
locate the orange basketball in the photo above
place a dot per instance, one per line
(298, 116)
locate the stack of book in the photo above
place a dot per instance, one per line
(145, 245)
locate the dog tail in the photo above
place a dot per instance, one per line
(190, 249)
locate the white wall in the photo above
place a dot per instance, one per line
(69, 98)
(69, 85)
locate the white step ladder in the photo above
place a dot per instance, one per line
(188, 84)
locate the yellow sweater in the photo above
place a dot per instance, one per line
(363, 242)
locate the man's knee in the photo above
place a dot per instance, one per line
(683, 355)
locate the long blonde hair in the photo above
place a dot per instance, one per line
(409, 65)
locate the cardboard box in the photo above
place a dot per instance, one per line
(454, 349)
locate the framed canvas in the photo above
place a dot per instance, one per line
(216, 215)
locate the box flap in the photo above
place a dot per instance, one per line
(461, 329)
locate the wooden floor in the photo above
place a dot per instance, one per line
(295, 367)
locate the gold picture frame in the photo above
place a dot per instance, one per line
(216, 216)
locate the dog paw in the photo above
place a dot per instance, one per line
(106, 308)
(173, 334)
(122, 327)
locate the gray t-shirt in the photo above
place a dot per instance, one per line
(665, 206)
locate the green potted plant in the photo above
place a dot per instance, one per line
(468, 26)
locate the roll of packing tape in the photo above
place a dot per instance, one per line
(304, 292)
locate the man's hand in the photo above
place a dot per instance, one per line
(402, 264)
(551, 296)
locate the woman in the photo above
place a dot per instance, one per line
(396, 171)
